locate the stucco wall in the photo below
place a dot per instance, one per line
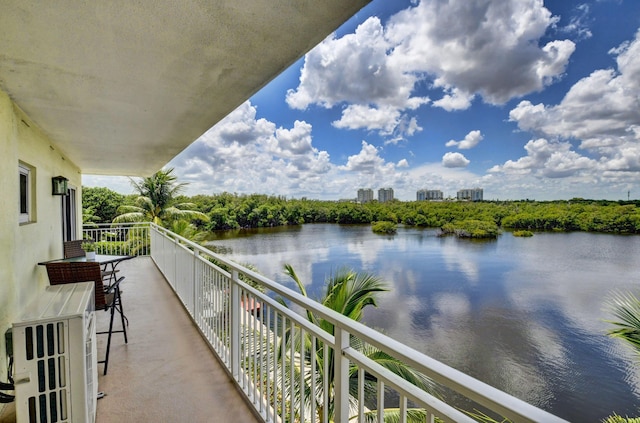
(22, 246)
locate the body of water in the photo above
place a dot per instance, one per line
(526, 315)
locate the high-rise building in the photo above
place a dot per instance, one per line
(365, 195)
(474, 194)
(429, 195)
(385, 194)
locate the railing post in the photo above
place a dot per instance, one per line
(234, 312)
(174, 256)
(341, 373)
(197, 281)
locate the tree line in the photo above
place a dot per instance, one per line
(233, 211)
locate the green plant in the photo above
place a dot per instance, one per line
(626, 308)
(485, 418)
(89, 247)
(157, 202)
(619, 419)
(384, 227)
(471, 228)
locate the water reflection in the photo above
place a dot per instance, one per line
(523, 314)
(465, 262)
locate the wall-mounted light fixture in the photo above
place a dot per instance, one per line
(59, 185)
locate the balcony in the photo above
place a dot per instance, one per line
(166, 372)
(205, 342)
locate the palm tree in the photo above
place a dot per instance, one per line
(347, 292)
(626, 308)
(156, 201)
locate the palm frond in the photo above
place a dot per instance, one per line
(185, 206)
(626, 308)
(289, 271)
(401, 369)
(619, 419)
(485, 418)
(130, 217)
(188, 230)
(130, 209)
(349, 292)
(392, 415)
(174, 213)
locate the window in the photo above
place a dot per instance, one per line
(25, 193)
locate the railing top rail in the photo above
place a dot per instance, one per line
(506, 405)
(86, 227)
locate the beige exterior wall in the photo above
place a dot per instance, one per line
(22, 246)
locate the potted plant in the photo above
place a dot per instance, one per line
(89, 248)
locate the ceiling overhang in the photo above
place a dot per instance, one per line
(122, 87)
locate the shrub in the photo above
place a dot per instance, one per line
(471, 229)
(523, 233)
(384, 227)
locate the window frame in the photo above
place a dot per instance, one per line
(24, 193)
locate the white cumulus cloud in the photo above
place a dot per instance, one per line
(367, 160)
(600, 111)
(460, 48)
(488, 47)
(549, 159)
(353, 69)
(454, 160)
(244, 153)
(470, 140)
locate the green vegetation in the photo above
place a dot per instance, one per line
(89, 219)
(384, 227)
(619, 419)
(88, 246)
(576, 215)
(625, 308)
(471, 228)
(157, 203)
(100, 204)
(233, 211)
(522, 233)
(230, 211)
(479, 416)
(187, 230)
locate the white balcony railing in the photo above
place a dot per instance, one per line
(119, 239)
(290, 382)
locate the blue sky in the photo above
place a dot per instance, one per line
(523, 98)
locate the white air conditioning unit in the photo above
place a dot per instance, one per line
(54, 349)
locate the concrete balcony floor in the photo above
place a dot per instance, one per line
(166, 373)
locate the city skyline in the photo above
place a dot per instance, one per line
(525, 98)
(365, 194)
